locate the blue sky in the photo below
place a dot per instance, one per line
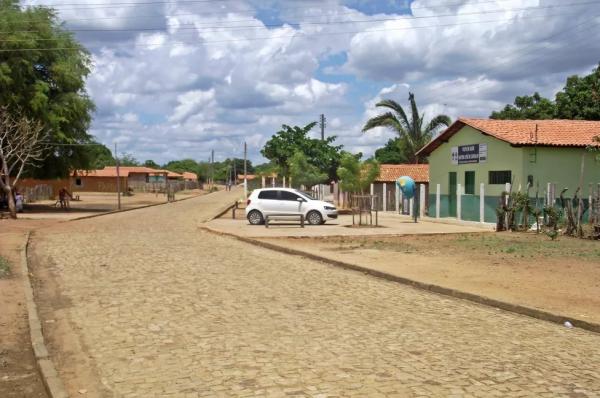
(178, 78)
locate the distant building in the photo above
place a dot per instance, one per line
(385, 183)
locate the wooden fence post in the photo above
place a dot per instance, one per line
(397, 194)
(384, 196)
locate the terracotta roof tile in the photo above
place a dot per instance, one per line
(391, 172)
(555, 132)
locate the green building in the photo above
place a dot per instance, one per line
(476, 154)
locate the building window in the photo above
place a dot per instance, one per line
(530, 180)
(469, 183)
(78, 182)
(500, 177)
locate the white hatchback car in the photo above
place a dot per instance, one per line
(281, 201)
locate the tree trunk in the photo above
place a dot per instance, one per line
(12, 206)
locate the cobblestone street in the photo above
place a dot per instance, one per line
(166, 310)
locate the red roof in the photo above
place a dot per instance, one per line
(111, 171)
(554, 132)
(391, 172)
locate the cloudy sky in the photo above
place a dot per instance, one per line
(177, 78)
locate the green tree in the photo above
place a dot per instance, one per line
(411, 131)
(46, 86)
(303, 172)
(392, 153)
(128, 160)
(356, 176)
(100, 156)
(527, 107)
(320, 153)
(580, 98)
(181, 166)
(151, 164)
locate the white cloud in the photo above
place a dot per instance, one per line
(191, 85)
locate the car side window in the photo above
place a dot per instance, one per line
(270, 195)
(286, 195)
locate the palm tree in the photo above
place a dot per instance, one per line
(410, 131)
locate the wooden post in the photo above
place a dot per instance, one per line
(437, 200)
(482, 202)
(385, 196)
(458, 201)
(283, 181)
(421, 200)
(372, 198)
(262, 182)
(411, 206)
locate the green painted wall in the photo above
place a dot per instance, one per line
(501, 156)
(546, 164)
(561, 166)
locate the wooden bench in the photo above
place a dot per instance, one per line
(284, 216)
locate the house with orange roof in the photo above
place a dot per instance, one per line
(384, 185)
(541, 157)
(130, 178)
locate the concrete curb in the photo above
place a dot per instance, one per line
(52, 382)
(515, 308)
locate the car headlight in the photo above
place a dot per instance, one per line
(329, 208)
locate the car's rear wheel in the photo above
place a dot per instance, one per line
(255, 217)
(314, 218)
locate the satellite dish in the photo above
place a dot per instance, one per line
(407, 186)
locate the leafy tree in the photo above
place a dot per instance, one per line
(266, 169)
(303, 172)
(392, 153)
(151, 164)
(527, 107)
(180, 166)
(128, 160)
(356, 176)
(100, 156)
(46, 86)
(289, 140)
(411, 132)
(579, 99)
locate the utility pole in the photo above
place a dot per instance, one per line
(245, 171)
(118, 179)
(323, 123)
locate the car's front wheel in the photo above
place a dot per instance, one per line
(255, 217)
(314, 218)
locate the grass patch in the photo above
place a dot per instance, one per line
(4, 268)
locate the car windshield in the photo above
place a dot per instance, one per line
(304, 194)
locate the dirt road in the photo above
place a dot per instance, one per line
(143, 304)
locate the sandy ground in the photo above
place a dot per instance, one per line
(156, 307)
(558, 276)
(91, 203)
(18, 371)
(389, 224)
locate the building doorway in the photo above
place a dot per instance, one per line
(452, 194)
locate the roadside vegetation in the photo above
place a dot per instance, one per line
(4, 268)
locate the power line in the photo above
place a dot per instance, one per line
(319, 34)
(407, 18)
(251, 10)
(83, 6)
